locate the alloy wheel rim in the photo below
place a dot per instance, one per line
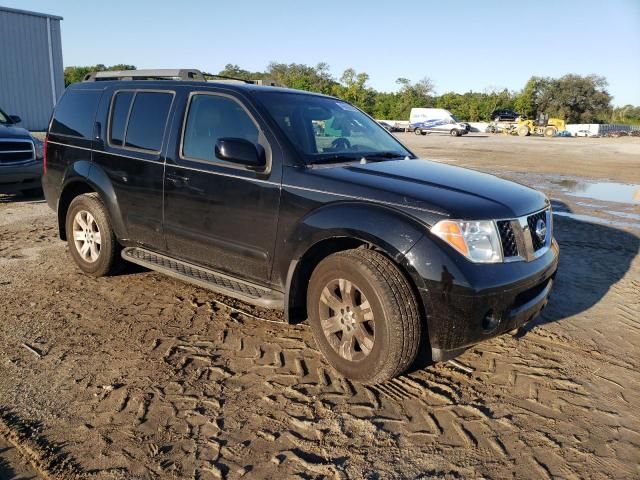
(347, 320)
(86, 236)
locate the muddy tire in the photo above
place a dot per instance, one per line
(523, 131)
(363, 315)
(91, 240)
(550, 131)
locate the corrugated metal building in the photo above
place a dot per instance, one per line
(31, 72)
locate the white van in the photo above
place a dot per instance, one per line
(425, 120)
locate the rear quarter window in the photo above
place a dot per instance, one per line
(76, 112)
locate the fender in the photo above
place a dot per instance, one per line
(84, 172)
(347, 223)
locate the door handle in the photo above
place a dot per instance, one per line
(177, 180)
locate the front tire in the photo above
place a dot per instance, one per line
(417, 131)
(455, 133)
(92, 242)
(363, 315)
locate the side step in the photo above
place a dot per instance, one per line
(203, 277)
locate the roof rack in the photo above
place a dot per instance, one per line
(226, 78)
(153, 74)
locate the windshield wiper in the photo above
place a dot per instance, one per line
(337, 158)
(389, 155)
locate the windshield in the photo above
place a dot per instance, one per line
(324, 128)
(4, 118)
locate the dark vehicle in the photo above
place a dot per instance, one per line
(228, 186)
(20, 158)
(504, 115)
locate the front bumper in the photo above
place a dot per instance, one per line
(466, 303)
(18, 177)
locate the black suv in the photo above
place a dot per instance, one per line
(230, 186)
(20, 158)
(504, 114)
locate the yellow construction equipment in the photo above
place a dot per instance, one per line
(543, 125)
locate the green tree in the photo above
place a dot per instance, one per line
(575, 98)
(74, 74)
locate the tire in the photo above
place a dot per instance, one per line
(550, 131)
(523, 131)
(417, 131)
(382, 339)
(102, 256)
(455, 133)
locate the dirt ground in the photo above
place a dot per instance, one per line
(140, 376)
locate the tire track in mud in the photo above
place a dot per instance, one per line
(161, 380)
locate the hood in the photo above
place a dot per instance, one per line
(10, 131)
(432, 190)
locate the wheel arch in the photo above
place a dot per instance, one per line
(380, 228)
(95, 181)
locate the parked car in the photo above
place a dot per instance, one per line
(386, 125)
(504, 115)
(585, 133)
(20, 158)
(228, 187)
(426, 120)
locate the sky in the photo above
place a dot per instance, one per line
(460, 46)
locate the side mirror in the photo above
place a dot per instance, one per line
(241, 151)
(15, 119)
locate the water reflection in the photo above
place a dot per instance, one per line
(605, 191)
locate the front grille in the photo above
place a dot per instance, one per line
(508, 239)
(16, 151)
(532, 221)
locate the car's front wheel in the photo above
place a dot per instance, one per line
(363, 315)
(92, 242)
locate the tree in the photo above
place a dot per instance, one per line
(575, 98)
(353, 88)
(76, 74)
(412, 95)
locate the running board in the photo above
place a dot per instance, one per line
(203, 277)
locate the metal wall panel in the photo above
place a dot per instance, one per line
(25, 66)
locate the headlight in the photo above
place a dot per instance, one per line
(39, 146)
(477, 240)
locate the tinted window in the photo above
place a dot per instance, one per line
(211, 117)
(147, 120)
(76, 112)
(119, 112)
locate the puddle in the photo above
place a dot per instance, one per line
(630, 216)
(591, 219)
(604, 191)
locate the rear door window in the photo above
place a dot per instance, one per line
(76, 112)
(138, 119)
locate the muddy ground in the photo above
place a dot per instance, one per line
(142, 376)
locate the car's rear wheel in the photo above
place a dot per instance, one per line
(92, 242)
(417, 131)
(363, 315)
(455, 133)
